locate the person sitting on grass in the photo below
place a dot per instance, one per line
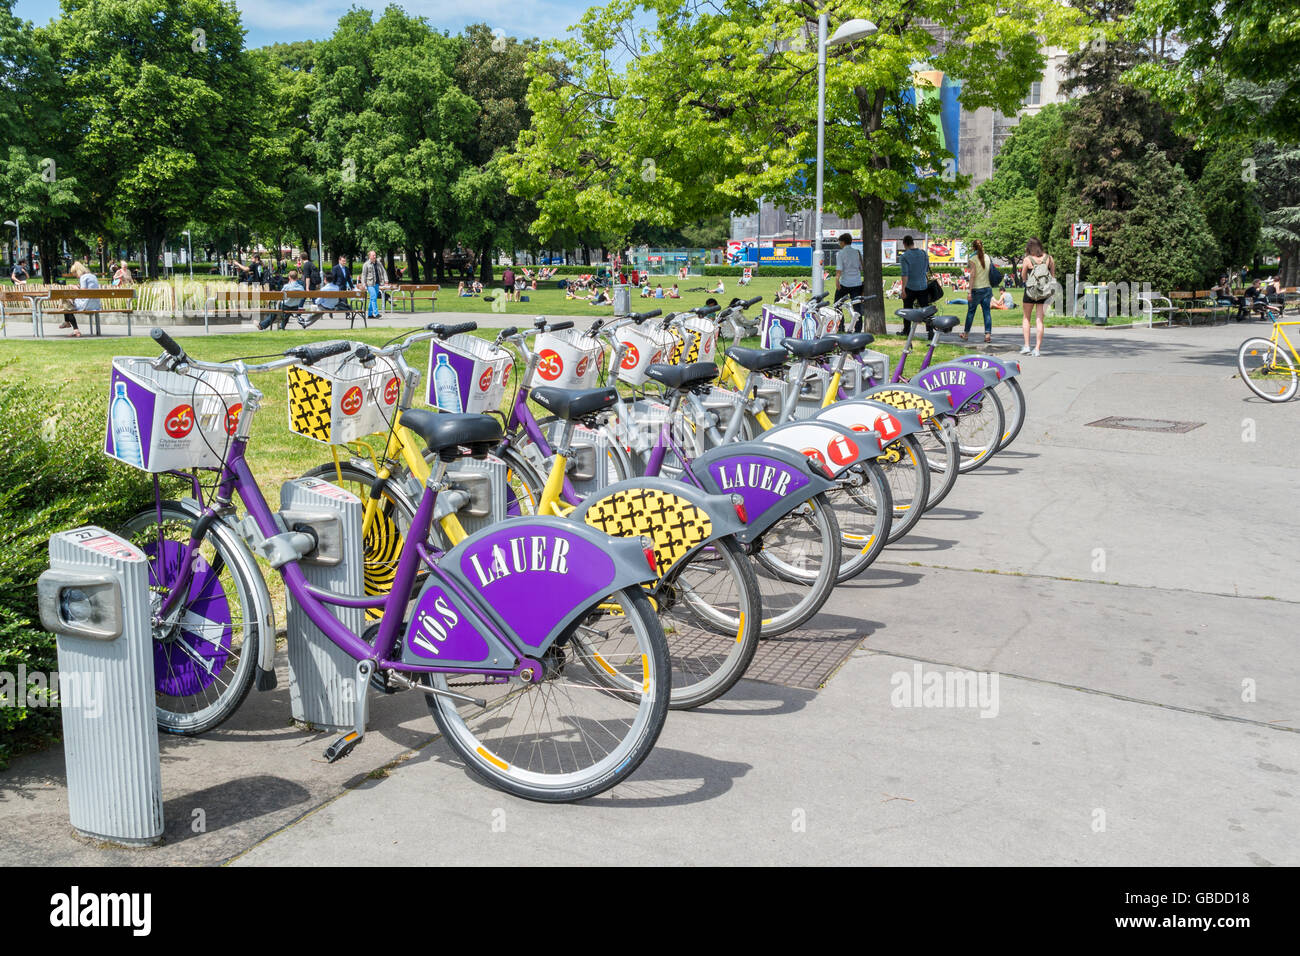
(720, 288)
(600, 297)
(895, 290)
(674, 292)
(478, 287)
(463, 291)
(659, 291)
(645, 292)
(1004, 301)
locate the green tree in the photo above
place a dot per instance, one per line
(491, 71)
(1278, 170)
(1008, 224)
(715, 106)
(1018, 164)
(1161, 238)
(958, 217)
(1235, 74)
(164, 115)
(1229, 195)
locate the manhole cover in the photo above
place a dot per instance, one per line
(1145, 424)
(793, 660)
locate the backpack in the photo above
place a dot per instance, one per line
(1040, 284)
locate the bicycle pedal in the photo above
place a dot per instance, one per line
(342, 747)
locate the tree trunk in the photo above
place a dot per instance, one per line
(871, 209)
(413, 259)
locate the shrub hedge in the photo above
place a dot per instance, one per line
(53, 476)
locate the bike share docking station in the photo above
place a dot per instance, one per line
(95, 597)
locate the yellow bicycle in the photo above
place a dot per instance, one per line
(1266, 367)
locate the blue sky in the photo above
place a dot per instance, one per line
(271, 21)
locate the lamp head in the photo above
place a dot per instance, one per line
(850, 31)
(10, 222)
(311, 207)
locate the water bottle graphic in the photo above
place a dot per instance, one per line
(775, 334)
(446, 385)
(810, 324)
(126, 429)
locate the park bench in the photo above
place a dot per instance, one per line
(61, 301)
(351, 306)
(409, 292)
(14, 304)
(1192, 304)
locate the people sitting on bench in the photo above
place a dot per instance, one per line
(87, 280)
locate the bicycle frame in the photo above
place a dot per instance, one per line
(237, 478)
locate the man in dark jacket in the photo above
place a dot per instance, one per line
(340, 275)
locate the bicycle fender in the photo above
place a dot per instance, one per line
(533, 576)
(772, 480)
(679, 518)
(961, 382)
(926, 403)
(266, 628)
(448, 631)
(1003, 368)
(833, 446)
(864, 415)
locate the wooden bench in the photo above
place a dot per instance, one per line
(410, 292)
(61, 301)
(1191, 304)
(14, 304)
(351, 305)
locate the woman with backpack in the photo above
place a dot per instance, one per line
(1038, 270)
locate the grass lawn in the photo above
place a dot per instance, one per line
(550, 301)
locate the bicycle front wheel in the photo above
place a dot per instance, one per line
(205, 652)
(568, 737)
(1267, 370)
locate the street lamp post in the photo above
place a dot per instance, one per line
(18, 238)
(320, 242)
(848, 32)
(189, 244)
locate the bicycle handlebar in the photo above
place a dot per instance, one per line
(167, 343)
(311, 354)
(447, 331)
(706, 310)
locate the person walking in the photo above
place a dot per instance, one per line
(848, 276)
(373, 276)
(19, 274)
(1038, 270)
(87, 280)
(508, 282)
(981, 292)
(915, 264)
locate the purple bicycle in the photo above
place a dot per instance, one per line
(543, 663)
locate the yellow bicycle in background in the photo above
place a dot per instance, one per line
(1265, 365)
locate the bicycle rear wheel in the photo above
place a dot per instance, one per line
(908, 473)
(205, 653)
(864, 509)
(943, 455)
(796, 563)
(1012, 396)
(711, 615)
(980, 424)
(1267, 369)
(568, 737)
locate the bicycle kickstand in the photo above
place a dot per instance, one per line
(361, 686)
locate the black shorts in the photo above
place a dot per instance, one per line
(1032, 301)
(508, 286)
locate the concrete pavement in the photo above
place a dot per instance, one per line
(1129, 599)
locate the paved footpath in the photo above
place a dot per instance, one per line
(1134, 593)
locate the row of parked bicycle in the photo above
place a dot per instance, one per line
(552, 581)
